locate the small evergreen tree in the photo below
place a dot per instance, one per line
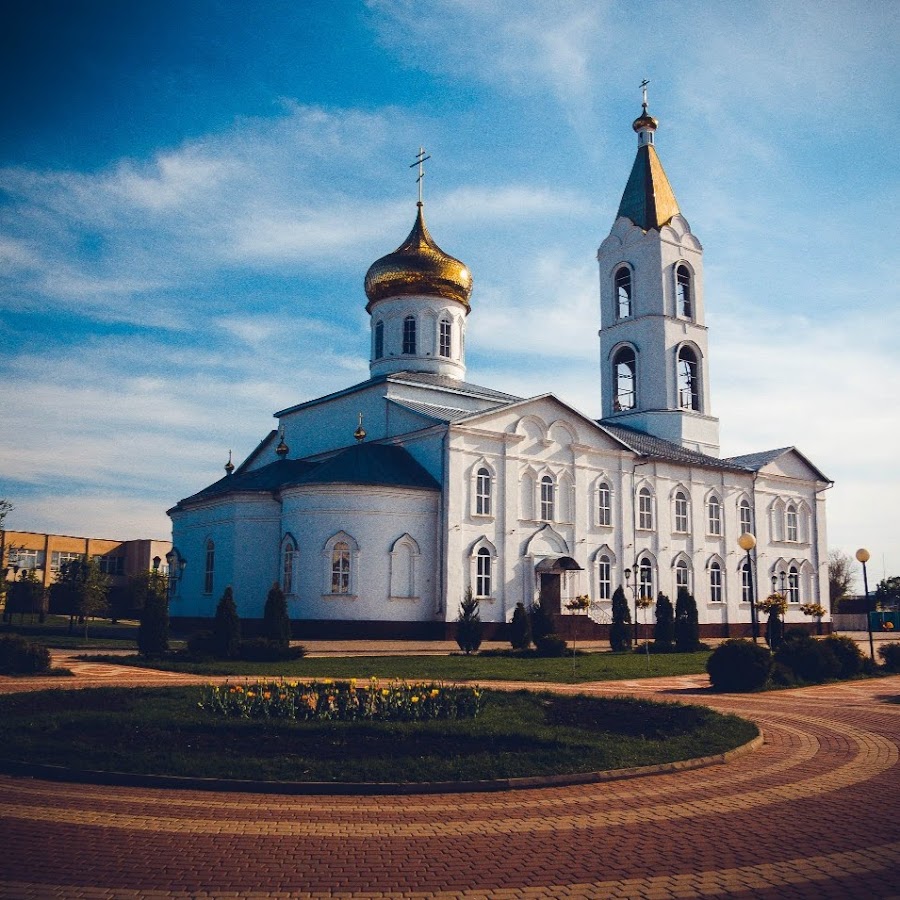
(276, 621)
(620, 630)
(153, 631)
(541, 622)
(520, 629)
(468, 624)
(227, 628)
(687, 622)
(664, 629)
(774, 629)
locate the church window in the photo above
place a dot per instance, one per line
(683, 291)
(404, 562)
(746, 582)
(547, 492)
(645, 508)
(715, 582)
(445, 337)
(624, 366)
(793, 590)
(746, 517)
(409, 335)
(379, 340)
(604, 573)
(623, 293)
(210, 567)
(483, 573)
(645, 578)
(681, 512)
(287, 566)
(714, 512)
(682, 576)
(604, 504)
(483, 492)
(688, 382)
(792, 526)
(340, 568)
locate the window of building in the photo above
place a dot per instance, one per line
(623, 292)
(645, 579)
(483, 573)
(483, 492)
(681, 512)
(547, 492)
(682, 576)
(688, 382)
(625, 379)
(379, 340)
(409, 335)
(793, 585)
(604, 573)
(714, 514)
(746, 583)
(683, 291)
(60, 558)
(111, 565)
(210, 567)
(287, 566)
(404, 565)
(715, 582)
(792, 520)
(645, 508)
(746, 517)
(445, 338)
(604, 504)
(340, 568)
(27, 559)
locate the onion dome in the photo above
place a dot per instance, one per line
(418, 267)
(282, 449)
(229, 466)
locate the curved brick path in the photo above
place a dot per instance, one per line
(815, 812)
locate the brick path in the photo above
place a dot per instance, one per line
(814, 812)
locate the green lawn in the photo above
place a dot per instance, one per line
(54, 632)
(588, 667)
(162, 731)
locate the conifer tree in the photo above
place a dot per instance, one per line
(541, 622)
(227, 628)
(276, 621)
(664, 629)
(153, 631)
(520, 629)
(620, 631)
(468, 624)
(687, 627)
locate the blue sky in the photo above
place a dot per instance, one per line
(191, 193)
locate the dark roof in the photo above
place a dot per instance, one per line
(441, 413)
(375, 464)
(755, 461)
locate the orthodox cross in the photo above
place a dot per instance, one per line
(420, 162)
(644, 84)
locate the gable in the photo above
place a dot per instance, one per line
(793, 464)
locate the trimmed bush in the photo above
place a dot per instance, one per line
(620, 630)
(783, 675)
(811, 660)
(551, 645)
(541, 622)
(847, 653)
(774, 630)
(520, 629)
(260, 649)
(664, 629)
(739, 666)
(153, 631)
(201, 644)
(227, 628)
(19, 656)
(687, 622)
(468, 624)
(890, 656)
(276, 621)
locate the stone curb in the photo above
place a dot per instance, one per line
(177, 782)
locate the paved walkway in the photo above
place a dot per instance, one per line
(814, 812)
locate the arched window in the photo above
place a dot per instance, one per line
(681, 512)
(715, 582)
(444, 343)
(793, 589)
(682, 576)
(623, 293)
(289, 551)
(746, 582)
(746, 517)
(379, 340)
(645, 578)
(483, 573)
(645, 508)
(688, 382)
(404, 562)
(483, 492)
(791, 520)
(409, 335)
(714, 515)
(210, 567)
(547, 492)
(340, 568)
(625, 379)
(604, 504)
(683, 292)
(604, 575)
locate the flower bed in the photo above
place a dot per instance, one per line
(343, 701)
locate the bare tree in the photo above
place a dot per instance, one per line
(840, 576)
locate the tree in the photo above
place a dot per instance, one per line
(520, 629)
(887, 594)
(620, 630)
(92, 600)
(5, 508)
(153, 631)
(227, 628)
(664, 629)
(840, 576)
(26, 596)
(468, 624)
(276, 621)
(687, 627)
(541, 622)
(81, 591)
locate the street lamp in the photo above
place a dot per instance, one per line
(862, 555)
(747, 542)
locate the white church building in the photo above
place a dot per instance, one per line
(376, 507)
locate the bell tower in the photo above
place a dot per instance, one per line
(653, 340)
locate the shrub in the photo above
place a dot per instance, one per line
(687, 622)
(783, 675)
(551, 645)
(890, 656)
(774, 629)
(201, 644)
(153, 631)
(520, 629)
(227, 628)
(260, 649)
(620, 631)
(739, 666)
(276, 621)
(811, 660)
(664, 629)
(19, 656)
(468, 624)
(849, 656)
(541, 622)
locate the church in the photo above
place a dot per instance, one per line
(377, 507)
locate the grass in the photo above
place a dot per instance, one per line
(163, 731)
(458, 667)
(54, 632)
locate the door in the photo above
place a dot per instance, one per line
(550, 593)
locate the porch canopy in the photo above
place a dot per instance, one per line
(557, 564)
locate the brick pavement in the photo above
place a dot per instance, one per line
(814, 812)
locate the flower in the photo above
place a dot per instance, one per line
(887, 625)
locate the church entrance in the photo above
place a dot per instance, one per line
(551, 593)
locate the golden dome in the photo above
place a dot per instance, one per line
(645, 120)
(418, 267)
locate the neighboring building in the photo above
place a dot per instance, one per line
(445, 485)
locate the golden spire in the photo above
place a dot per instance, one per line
(229, 466)
(282, 449)
(360, 433)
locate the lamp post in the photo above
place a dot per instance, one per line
(747, 542)
(862, 555)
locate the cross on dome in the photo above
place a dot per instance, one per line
(420, 162)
